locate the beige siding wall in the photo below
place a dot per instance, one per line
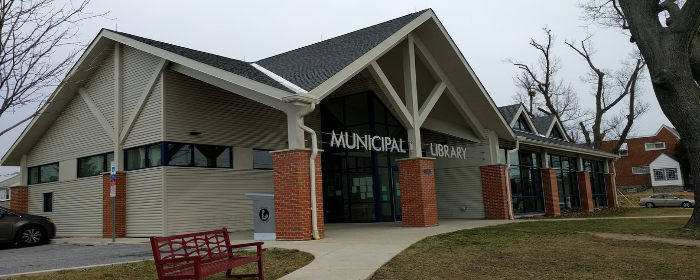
(201, 199)
(224, 118)
(5, 204)
(144, 202)
(138, 69)
(77, 205)
(76, 133)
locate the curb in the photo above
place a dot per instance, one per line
(44, 272)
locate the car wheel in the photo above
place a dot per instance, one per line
(31, 235)
(687, 205)
(649, 205)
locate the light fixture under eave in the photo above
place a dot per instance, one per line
(195, 133)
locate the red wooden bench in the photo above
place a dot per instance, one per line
(196, 255)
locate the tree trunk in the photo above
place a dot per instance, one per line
(667, 53)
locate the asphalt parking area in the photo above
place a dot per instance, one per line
(14, 259)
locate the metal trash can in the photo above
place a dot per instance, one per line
(263, 215)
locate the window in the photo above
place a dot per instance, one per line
(94, 165)
(43, 174)
(48, 202)
(4, 194)
(199, 155)
(142, 157)
(262, 159)
(567, 181)
(526, 182)
(640, 170)
(555, 133)
(596, 171)
(624, 153)
(655, 146)
(666, 174)
(521, 124)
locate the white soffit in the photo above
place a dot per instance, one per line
(279, 79)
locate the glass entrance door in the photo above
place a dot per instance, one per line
(360, 185)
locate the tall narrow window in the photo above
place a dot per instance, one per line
(4, 194)
(48, 202)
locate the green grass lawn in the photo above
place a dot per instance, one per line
(276, 263)
(550, 250)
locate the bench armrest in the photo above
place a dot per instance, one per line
(194, 259)
(247, 245)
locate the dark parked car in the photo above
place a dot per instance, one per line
(25, 229)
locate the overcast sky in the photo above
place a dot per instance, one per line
(487, 32)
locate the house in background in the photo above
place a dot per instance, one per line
(648, 163)
(7, 181)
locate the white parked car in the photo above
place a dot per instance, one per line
(666, 200)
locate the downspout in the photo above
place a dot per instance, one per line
(312, 170)
(302, 98)
(508, 191)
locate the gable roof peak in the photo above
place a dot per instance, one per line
(310, 66)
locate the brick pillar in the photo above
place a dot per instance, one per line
(610, 190)
(293, 195)
(551, 192)
(119, 204)
(418, 201)
(494, 187)
(19, 199)
(584, 191)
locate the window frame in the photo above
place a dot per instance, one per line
(646, 147)
(106, 165)
(524, 125)
(648, 170)
(9, 194)
(161, 145)
(165, 151)
(38, 167)
(663, 174)
(44, 204)
(260, 150)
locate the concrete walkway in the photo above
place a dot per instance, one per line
(356, 251)
(348, 251)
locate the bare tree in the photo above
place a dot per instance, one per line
(33, 33)
(609, 89)
(538, 85)
(669, 49)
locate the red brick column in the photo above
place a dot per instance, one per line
(494, 187)
(119, 204)
(418, 200)
(19, 199)
(551, 192)
(584, 191)
(610, 190)
(292, 181)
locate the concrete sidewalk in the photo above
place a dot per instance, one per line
(348, 251)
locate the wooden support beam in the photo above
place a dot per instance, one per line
(388, 89)
(142, 99)
(97, 113)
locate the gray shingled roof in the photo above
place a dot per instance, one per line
(509, 112)
(542, 123)
(310, 66)
(553, 141)
(234, 66)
